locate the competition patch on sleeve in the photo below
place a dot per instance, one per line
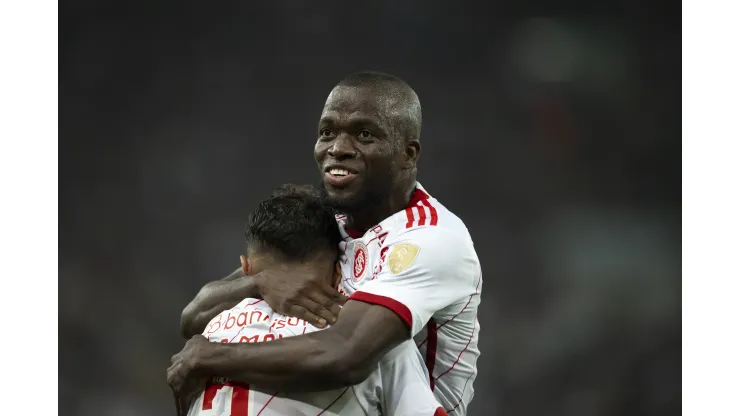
(401, 257)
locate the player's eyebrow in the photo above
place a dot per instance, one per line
(363, 121)
(326, 119)
(353, 122)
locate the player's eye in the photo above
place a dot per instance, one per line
(365, 134)
(325, 133)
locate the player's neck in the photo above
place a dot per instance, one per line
(363, 220)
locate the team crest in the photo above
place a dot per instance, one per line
(360, 263)
(401, 257)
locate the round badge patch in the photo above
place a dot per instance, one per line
(360, 261)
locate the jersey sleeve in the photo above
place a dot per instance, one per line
(422, 271)
(405, 384)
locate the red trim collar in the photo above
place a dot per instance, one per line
(416, 197)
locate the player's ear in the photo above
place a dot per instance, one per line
(412, 150)
(246, 264)
(337, 275)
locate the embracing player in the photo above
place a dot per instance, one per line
(409, 266)
(294, 227)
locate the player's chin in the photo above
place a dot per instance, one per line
(346, 187)
(341, 194)
(342, 197)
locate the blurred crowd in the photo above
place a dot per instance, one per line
(556, 140)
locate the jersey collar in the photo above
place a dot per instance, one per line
(417, 196)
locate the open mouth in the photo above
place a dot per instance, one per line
(339, 172)
(339, 176)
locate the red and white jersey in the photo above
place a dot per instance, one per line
(420, 263)
(399, 386)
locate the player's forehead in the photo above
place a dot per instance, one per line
(355, 104)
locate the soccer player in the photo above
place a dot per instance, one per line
(294, 227)
(409, 265)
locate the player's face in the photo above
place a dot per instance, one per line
(356, 150)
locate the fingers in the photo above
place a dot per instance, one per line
(174, 380)
(336, 297)
(315, 302)
(308, 316)
(319, 305)
(322, 305)
(332, 308)
(177, 377)
(173, 375)
(178, 403)
(187, 397)
(330, 301)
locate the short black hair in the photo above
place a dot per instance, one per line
(294, 224)
(393, 89)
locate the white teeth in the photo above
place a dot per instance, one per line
(339, 172)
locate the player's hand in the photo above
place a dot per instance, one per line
(182, 404)
(304, 294)
(183, 375)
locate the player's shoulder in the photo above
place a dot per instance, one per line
(429, 213)
(255, 304)
(425, 211)
(430, 222)
(433, 237)
(422, 249)
(290, 326)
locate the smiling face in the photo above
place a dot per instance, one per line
(358, 151)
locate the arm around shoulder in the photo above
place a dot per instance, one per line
(214, 298)
(342, 355)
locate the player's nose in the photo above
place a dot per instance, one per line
(342, 148)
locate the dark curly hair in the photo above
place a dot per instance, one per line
(294, 224)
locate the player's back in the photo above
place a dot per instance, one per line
(399, 385)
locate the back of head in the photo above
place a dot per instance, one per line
(293, 225)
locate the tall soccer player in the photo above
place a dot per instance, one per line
(294, 227)
(409, 266)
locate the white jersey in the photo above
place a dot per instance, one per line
(420, 263)
(399, 386)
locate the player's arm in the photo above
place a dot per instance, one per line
(214, 298)
(429, 271)
(342, 355)
(309, 297)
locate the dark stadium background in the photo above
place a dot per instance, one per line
(551, 128)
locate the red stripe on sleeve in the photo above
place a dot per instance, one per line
(422, 214)
(432, 210)
(409, 217)
(417, 196)
(399, 308)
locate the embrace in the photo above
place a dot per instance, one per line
(358, 297)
